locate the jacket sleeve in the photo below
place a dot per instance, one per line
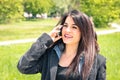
(31, 61)
(101, 73)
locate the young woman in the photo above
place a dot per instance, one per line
(68, 52)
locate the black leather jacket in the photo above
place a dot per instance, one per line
(41, 59)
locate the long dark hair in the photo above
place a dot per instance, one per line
(88, 43)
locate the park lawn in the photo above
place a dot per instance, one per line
(29, 29)
(26, 29)
(110, 48)
(9, 56)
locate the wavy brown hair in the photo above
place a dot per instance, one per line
(87, 45)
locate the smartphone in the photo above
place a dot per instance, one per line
(60, 33)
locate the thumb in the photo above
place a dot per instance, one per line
(57, 38)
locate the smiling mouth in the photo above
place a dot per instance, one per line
(67, 36)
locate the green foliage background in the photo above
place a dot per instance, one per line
(102, 11)
(11, 10)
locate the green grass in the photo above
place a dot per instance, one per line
(29, 29)
(26, 29)
(9, 56)
(110, 48)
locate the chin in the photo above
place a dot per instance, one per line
(67, 42)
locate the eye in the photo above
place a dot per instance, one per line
(74, 27)
(65, 25)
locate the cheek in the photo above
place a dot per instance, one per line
(63, 30)
(78, 36)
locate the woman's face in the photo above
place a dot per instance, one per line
(70, 32)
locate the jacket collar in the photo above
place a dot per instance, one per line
(59, 52)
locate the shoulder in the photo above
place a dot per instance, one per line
(101, 60)
(101, 67)
(98, 70)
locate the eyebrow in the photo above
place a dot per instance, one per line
(67, 23)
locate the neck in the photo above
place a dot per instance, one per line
(71, 49)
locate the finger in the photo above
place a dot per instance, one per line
(59, 27)
(57, 38)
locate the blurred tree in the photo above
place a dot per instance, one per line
(102, 11)
(37, 6)
(66, 5)
(10, 10)
(54, 11)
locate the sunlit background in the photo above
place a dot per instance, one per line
(23, 21)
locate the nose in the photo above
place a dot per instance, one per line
(68, 29)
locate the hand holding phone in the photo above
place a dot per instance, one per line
(55, 34)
